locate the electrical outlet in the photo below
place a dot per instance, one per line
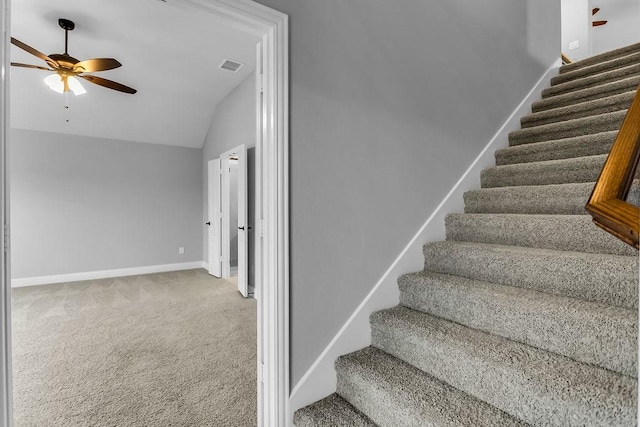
(180, 250)
(574, 45)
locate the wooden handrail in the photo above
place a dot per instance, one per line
(607, 204)
(565, 59)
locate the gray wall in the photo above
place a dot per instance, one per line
(622, 28)
(82, 204)
(390, 102)
(233, 124)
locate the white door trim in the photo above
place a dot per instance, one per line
(6, 395)
(273, 180)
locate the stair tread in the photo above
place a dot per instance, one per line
(589, 332)
(569, 128)
(605, 56)
(591, 93)
(560, 171)
(534, 385)
(593, 80)
(559, 232)
(556, 149)
(598, 67)
(556, 199)
(395, 393)
(331, 411)
(570, 273)
(607, 104)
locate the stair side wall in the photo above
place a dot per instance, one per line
(320, 380)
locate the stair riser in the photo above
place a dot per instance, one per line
(623, 61)
(331, 411)
(561, 232)
(568, 129)
(371, 398)
(587, 332)
(571, 274)
(579, 170)
(592, 81)
(393, 393)
(591, 108)
(587, 145)
(591, 94)
(520, 380)
(607, 56)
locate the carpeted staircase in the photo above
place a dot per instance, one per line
(527, 313)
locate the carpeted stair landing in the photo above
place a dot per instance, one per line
(527, 313)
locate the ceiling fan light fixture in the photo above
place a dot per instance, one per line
(75, 86)
(56, 84)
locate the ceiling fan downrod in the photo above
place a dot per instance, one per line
(67, 25)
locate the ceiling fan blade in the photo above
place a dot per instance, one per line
(598, 23)
(19, 64)
(96, 64)
(109, 84)
(595, 10)
(34, 52)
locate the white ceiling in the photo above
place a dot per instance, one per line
(169, 52)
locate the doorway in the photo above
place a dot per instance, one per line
(272, 167)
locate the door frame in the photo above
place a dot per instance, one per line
(272, 182)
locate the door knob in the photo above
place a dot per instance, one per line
(241, 228)
(208, 223)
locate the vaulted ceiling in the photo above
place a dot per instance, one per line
(170, 53)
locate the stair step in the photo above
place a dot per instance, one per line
(588, 332)
(584, 109)
(556, 199)
(393, 393)
(606, 56)
(533, 385)
(563, 171)
(578, 146)
(592, 81)
(590, 70)
(568, 129)
(589, 94)
(331, 411)
(558, 232)
(572, 274)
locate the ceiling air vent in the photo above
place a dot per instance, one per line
(230, 65)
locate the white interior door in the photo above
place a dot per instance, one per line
(239, 157)
(215, 220)
(243, 223)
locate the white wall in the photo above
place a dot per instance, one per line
(576, 20)
(390, 102)
(622, 28)
(233, 124)
(81, 204)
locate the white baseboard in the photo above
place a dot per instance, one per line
(103, 274)
(320, 380)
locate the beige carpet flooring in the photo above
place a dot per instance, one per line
(168, 349)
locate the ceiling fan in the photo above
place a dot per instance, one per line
(67, 68)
